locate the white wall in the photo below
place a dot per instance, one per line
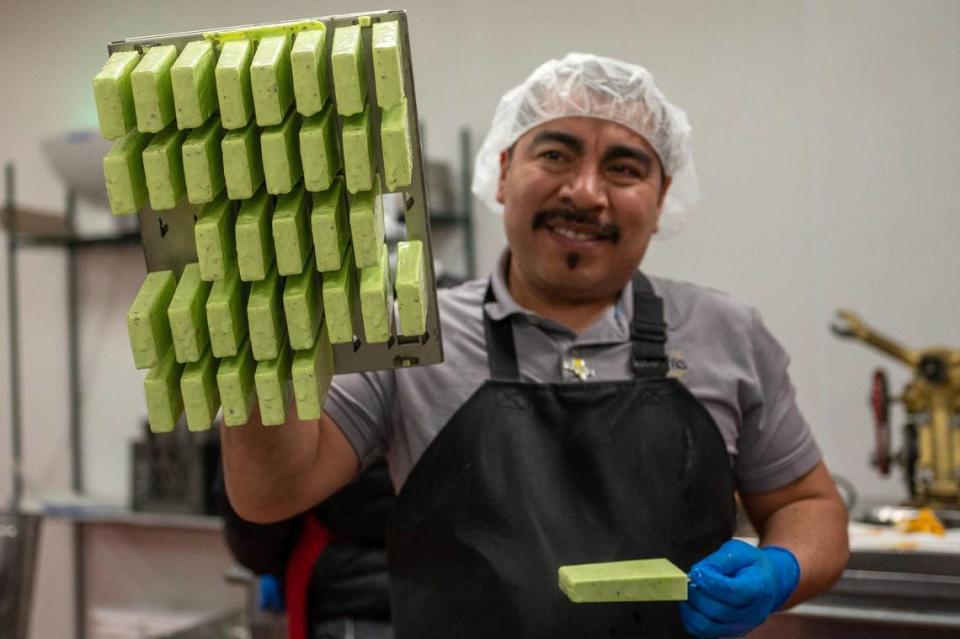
(825, 136)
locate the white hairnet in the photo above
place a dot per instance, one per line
(592, 86)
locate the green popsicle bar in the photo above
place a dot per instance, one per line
(375, 299)
(152, 89)
(395, 143)
(113, 95)
(338, 296)
(242, 167)
(201, 397)
(309, 61)
(329, 227)
(163, 168)
(303, 308)
(227, 314)
(203, 163)
(264, 317)
(358, 152)
(233, 83)
(291, 237)
(638, 580)
(280, 146)
(318, 150)
(162, 388)
(312, 371)
(387, 67)
(411, 288)
(194, 86)
(235, 381)
(147, 322)
(188, 315)
(349, 70)
(270, 80)
(366, 226)
(254, 237)
(123, 173)
(214, 233)
(273, 387)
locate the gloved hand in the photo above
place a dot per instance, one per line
(734, 590)
(270, 593)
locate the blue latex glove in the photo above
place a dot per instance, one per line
(734, 590)
(269, 593)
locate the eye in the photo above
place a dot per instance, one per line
(552, 155)
(625, 171)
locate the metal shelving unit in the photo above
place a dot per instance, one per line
(27, 229)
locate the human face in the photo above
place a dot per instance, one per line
(582, 198)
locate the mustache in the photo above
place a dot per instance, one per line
(603, 231)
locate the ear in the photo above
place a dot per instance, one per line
(504, 165)
(661, 198)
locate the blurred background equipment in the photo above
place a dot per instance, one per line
(19, 538)
(930, 450)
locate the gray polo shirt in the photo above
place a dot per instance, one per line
(717, 346)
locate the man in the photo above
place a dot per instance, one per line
(554, 433)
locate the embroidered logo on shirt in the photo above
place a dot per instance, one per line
(678, 365)
(579, 367)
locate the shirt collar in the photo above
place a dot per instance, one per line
(612, 326)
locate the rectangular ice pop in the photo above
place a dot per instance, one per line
(233, 83)
(203, 162)
(123, 172)
(194, 85)
(303, 308)
(329, 227)
(270, 80)
(227, 314)
(338, 294)
(163, 168)
(113, 95)
(214, 233)
(308, 58)
(152, 89)
(162, 388)
(242, 166)
(273, 387)
(366, 226)
(201, 397)
(235, 382)
(255, 252)
(358, 160)
(387, 65)
(280, 146)
(637, 580)
(187, 313)
(318, 149)
(375, 302)
(147, 323)
(265, 317)
(349, 70)
(395, 144)
(291, 237)
(411, 288)
(312, 371)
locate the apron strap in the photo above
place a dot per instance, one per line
(501, 352)
(648, 332)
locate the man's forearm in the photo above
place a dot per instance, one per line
(264, 465)
(815, 531)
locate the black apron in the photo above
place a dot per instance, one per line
(527, 477)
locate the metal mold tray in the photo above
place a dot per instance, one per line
(168, 238)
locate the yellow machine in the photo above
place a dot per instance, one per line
(930, 455)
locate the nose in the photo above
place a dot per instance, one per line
(584, 188)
